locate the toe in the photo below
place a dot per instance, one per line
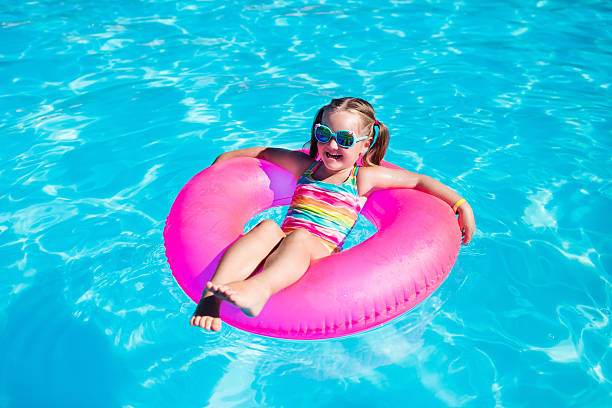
(212, 288)
(219, 290)
(207, 322)
(230, 294)
(216, 324)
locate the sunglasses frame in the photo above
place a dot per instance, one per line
(334, 135)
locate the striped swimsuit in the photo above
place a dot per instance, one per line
(328, 211)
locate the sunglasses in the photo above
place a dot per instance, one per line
(344, 138)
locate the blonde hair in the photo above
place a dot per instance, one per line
(365, 111)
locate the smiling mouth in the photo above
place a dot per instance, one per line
(333, 156)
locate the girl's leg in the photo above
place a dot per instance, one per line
(237, 263)
(245, 255)
(282, 268)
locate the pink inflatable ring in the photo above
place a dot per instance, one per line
(412, 252)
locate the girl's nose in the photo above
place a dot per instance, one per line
(333, 144)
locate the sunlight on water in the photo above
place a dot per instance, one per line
(109, 109)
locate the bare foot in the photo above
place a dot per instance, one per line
(206, 314)
(248, 295)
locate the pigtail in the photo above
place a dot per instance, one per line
(377, 151)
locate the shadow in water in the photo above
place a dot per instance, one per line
(49, 358)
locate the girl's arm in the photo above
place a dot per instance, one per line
(378, 178)
(295, 162)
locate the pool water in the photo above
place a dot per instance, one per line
(109, 108)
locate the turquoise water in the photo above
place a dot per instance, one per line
(109, 108)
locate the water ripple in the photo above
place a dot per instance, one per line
(109, 110)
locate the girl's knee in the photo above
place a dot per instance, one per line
(299, 235)
(270, 227)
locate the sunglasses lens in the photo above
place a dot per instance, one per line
(322, 134)
(344, 138)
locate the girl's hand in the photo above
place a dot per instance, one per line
(466, 222)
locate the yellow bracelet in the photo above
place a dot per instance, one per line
(458, 204)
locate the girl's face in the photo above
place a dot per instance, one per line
(338, 158)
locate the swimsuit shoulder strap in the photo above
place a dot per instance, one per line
(353, 177)
(351, 181)
(310, 169)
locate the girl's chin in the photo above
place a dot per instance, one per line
(335, 165)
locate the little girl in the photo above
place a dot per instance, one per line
(328, 197)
